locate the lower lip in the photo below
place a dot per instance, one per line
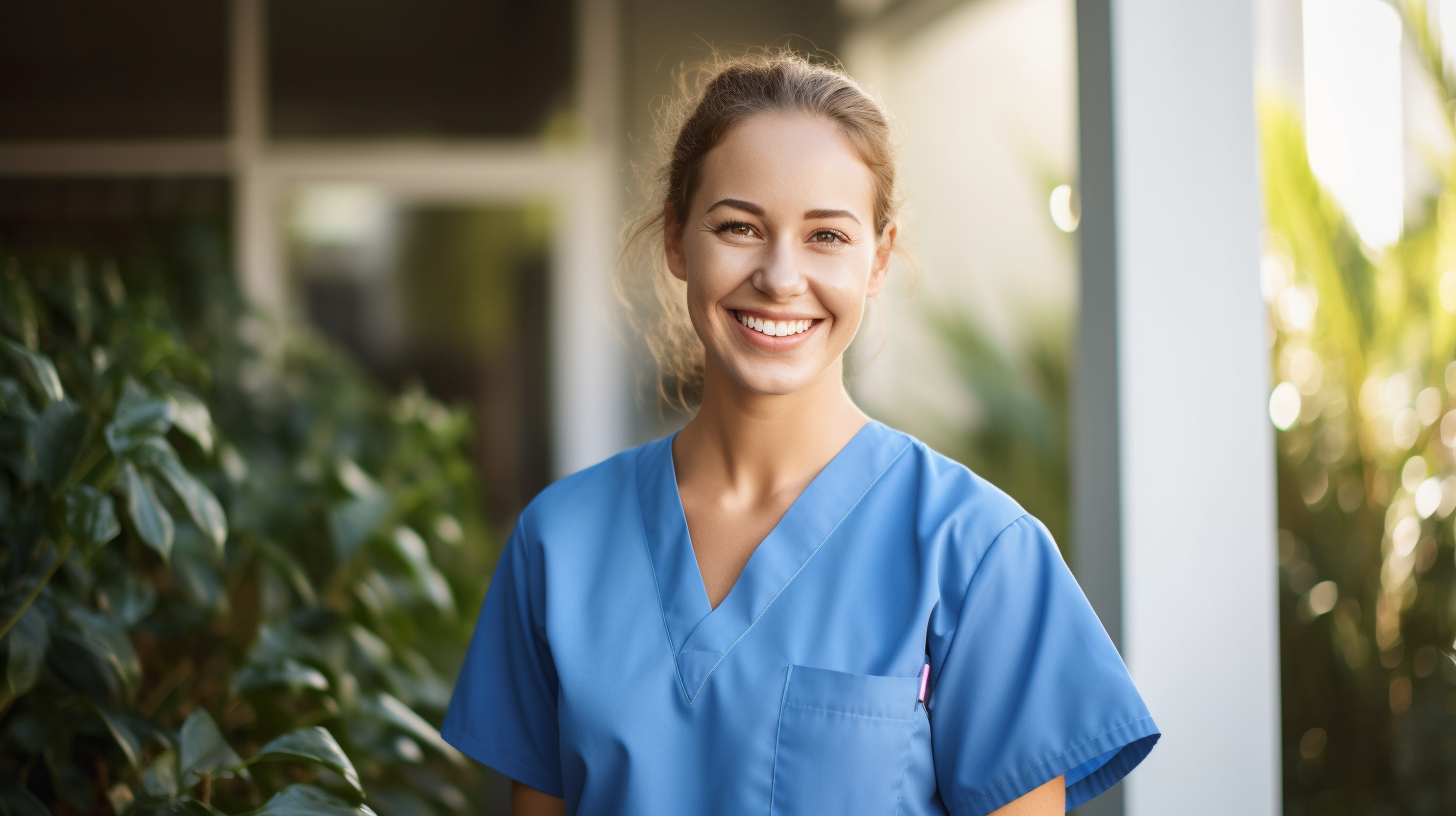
(767, 343)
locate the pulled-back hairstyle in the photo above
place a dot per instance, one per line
(712, 99)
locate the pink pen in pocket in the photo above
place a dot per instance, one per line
(924, 681)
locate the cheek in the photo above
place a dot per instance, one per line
(715, 270)
(843, 289)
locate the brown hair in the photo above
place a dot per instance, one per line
(714, 98)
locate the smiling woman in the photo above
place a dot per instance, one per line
(722, 96)
(785, 607)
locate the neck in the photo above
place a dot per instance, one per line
(763, 442)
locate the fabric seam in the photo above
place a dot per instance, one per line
(848, 713)
(966, 594)
(773, 783)
(905, 766)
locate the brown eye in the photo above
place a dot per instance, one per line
(826, 237)
(737, 229)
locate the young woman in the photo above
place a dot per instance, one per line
(786, 608)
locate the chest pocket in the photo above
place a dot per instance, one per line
(843, 741)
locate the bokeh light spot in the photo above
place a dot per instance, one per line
(1284, 405)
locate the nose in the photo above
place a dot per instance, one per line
(780, 277)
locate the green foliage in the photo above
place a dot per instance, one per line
(1364, 348)
(1018, 438)
(234, 570)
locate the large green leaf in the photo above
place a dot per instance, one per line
(197, 570)
(139, 416)
(191, 417)
(312, 744)
(288, 673)
(26, 645)
(307, 800)
(16, 403)
(90, 516)
(355, 480)
(410, 547)
(289, 569)
(60, 439)
(37, 369)
(152, 521)
(205, 749)
(389, 709)
(161, 776)
(158, 457)
(126, 739)
(353, 521)
(17, 448)
(96, 655)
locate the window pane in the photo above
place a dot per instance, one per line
(426, 68)
(100, 69)
(454, 296)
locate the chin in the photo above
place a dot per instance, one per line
(774, 384)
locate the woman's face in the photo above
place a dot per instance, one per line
(779, 251)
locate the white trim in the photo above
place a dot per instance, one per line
(501, 169)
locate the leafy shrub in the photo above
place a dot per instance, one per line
(1018, 437)
(1364, 348)
(220, 541)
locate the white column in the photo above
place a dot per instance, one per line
(592, 394)
(257, 255)
(1175, 459)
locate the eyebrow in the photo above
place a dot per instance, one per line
(737, 204)
(750, 207)
(812, 214)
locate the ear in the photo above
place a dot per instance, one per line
(884, 249)
(672, 241)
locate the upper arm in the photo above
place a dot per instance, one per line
(1048, 800)
(527, 801)
(503, 709)
(1026, 686)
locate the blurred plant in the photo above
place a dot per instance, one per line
(1017, 437)
(220, 541)
(1363, 349)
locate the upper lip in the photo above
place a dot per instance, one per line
(771, 316)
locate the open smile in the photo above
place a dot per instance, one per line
(775, 328)
(775, 334)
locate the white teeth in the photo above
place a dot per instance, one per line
(775, 328)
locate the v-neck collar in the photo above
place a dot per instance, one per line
(700, 635)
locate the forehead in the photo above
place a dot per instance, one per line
(796, 161)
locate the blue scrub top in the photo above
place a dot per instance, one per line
(598, 671)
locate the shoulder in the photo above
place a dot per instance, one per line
(589, 500)
(958, 514)
(947, 493)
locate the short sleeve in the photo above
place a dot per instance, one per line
(1027, 686)
(503, 709)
